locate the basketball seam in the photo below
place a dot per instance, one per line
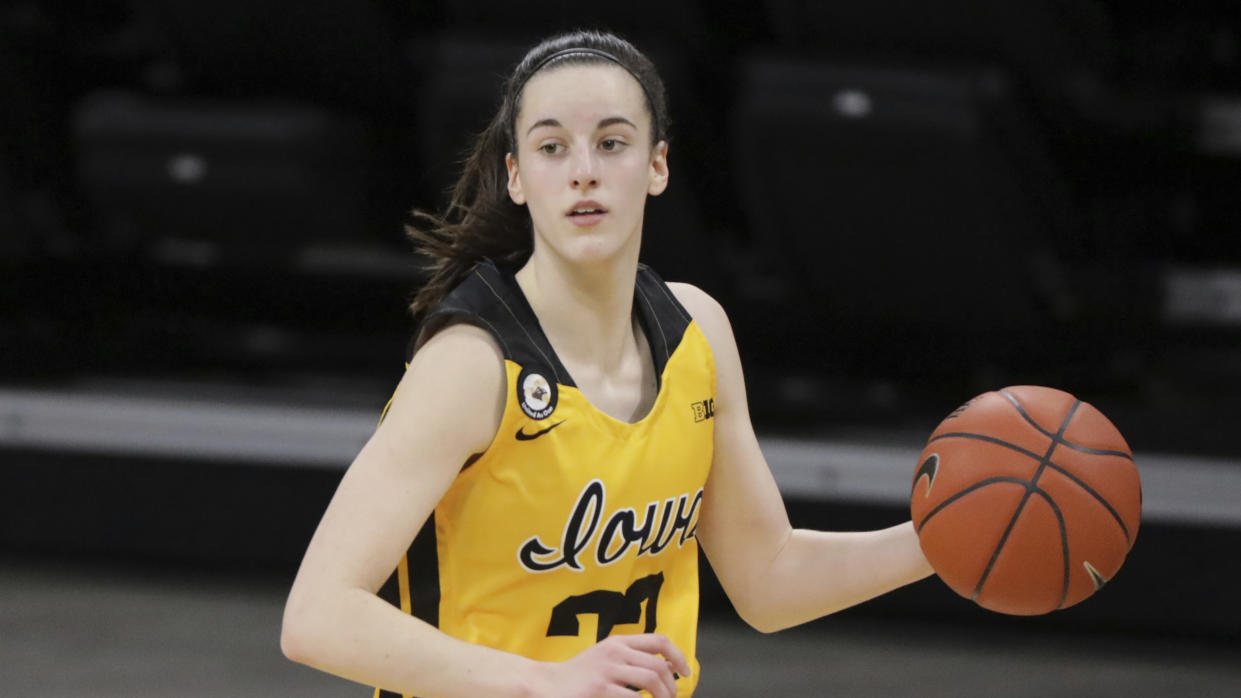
(972, 488)
(988, 439)
(1025, 415)
(1089, 490)
(1064, 543)
(1098, 451)
(1013, 447)
(1076, 447)
(1031, 488)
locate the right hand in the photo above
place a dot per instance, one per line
(618, 666)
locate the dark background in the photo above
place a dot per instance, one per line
(900, 204)
(901, 201)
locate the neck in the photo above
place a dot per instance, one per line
(586, 310)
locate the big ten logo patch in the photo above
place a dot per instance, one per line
(703, 409)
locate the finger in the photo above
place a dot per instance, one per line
(655, 663)
(636, 677)
(655, 643)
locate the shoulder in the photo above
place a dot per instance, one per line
(462, 354)
(459, 344)
(455, 379)
(694, 298)
(710, 317)
(706, 311)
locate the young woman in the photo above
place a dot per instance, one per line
(569, 428)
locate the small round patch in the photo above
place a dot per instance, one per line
(536, 394)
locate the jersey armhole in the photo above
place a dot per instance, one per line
(445, 318)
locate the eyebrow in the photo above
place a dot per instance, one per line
(603, 123)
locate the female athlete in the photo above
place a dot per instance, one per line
(569, 429)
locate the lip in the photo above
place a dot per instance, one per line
(586, 204)
(586, 219)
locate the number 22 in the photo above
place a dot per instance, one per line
(612, 607)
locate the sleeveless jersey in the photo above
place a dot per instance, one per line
(572, 525)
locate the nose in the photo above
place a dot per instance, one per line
(585, 174)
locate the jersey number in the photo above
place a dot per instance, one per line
(612, 607)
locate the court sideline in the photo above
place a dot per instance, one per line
(88, 631)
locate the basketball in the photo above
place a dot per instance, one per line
(1026, 500)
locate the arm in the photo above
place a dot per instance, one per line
(333, 618)
(775, 576)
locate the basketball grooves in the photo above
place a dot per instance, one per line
(1030, 489)
(1031, 485)
(1068, 444)
(1056, 438)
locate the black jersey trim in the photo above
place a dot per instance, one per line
(661, 315)
(421, 570)
(527, 321)
(445, 316)
(659, 335)
(391, 589)
(491, 298)
(655, 281)
(424, 575)
(423, 567)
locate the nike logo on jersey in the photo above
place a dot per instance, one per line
(523, 436)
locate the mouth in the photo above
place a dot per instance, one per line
(586, 213)
(586, 208)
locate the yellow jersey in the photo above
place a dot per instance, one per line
(572, 525)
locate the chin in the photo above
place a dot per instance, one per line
(597, 247)
(591, 253)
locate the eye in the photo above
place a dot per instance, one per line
(611, 144)
(551, 148)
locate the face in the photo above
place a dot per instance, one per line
(585, 162)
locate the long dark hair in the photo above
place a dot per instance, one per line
(481, 220)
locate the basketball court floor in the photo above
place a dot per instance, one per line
(127, 633)
(85, 630)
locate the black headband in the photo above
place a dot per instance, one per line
(579, 50)
(600, 53)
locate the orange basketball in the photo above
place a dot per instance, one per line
(1026, 500)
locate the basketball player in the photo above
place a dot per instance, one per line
(569, 428)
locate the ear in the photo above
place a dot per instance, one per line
(514, 182)
(658, 176)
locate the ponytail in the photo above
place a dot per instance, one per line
(480, 221)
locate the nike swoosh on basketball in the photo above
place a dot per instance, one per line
(929, 468)
(523, 436)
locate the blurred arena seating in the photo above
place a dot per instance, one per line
(916, 214)
(203, 273)
(221, 180)
(258, 130)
